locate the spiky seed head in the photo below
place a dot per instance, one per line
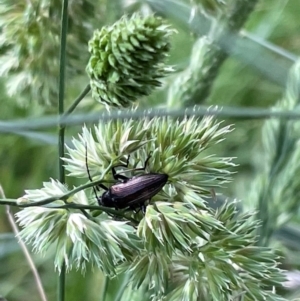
(126, 59)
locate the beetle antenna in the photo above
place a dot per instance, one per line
(88, 171)
(86, 163)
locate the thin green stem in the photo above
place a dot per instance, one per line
(10, 202)
(122, 287)
(77, 101)
(244, 113)
(61, 93)
(23, 202)
(61, 151)
(270, 46)
(61, 133)
(61, 283)
(104, 288)
(119, 213)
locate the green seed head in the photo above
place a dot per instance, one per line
(126, 59)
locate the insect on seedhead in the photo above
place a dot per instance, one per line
(129, 192)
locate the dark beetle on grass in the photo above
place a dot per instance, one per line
(130, 192)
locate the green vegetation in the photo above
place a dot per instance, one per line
(209, 89)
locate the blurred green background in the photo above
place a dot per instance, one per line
(29, 158)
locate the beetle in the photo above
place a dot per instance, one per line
(130, 192)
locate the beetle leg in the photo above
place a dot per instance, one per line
(143, 208)
(145, 164)
(123, 178)
(117, 176)
(102, 186)
(147, 160)
(132, 208)
(95, 188)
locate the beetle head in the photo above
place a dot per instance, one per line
(106, 199)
